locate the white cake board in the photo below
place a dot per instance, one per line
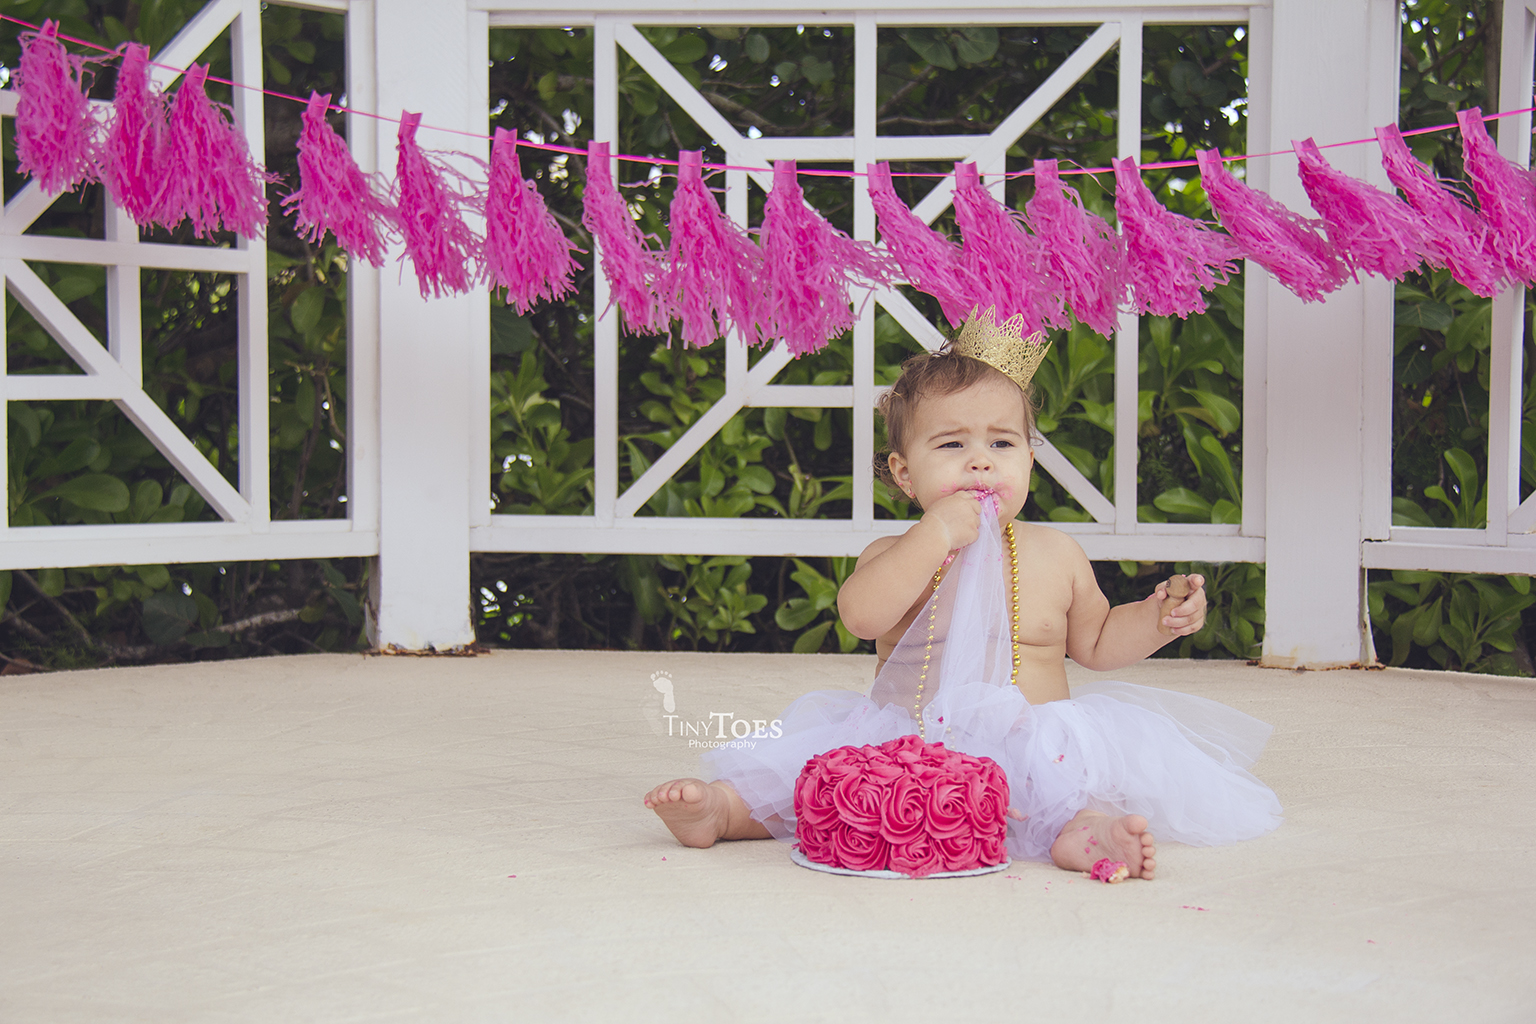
(805, 862)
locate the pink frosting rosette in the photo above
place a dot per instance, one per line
(905, 805)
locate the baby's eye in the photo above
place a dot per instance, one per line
(1002, 444)
(950, 444)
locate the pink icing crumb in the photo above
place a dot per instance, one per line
(1109, 871)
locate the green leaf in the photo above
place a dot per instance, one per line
(796, 613)
(78, 454)
(925, 42)
(25, 417)
(208, 639)
(1224, 414)
(5, 588)
(167, 616)
(98, 492)
(1407, 512)
(147, 497)
(1183, 501)
(1430, 316)
(1466, 473)
(1473, 329)
(817, 72)
(976, 45)
(810, 641)
(685, 49)
(156, 577)
(756, 47)
(305, 312)
(1427, 629)
(1443, 93)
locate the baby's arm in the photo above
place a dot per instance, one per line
(1102, 638)
(894, 572)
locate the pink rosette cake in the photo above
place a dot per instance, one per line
(905, 806)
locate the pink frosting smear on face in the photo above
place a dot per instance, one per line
(1109, 871)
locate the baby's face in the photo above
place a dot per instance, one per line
(970, 440)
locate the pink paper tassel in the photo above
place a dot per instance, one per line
(525, 251)
(931, 262)
(714, 270)
(1454, 235)
(1506, 193)
(1169, 259)
(132, 162)
(631, 267)
(210, 177)
(438, 242)
(334, 194)
(810, 267)
(55, 133)
(1374, 232)
(1286, 244)
(1087, 257)
(1011, 265)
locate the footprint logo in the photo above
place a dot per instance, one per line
(663, 684)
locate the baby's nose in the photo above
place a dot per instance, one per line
(981, 459)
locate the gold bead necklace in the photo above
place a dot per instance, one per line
(1013, 601)
(933, 613)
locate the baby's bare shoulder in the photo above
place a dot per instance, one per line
(1047, 544)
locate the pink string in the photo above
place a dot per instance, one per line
(573, 151)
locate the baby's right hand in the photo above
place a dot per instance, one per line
(959, 516)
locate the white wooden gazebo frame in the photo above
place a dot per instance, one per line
(1317, 400)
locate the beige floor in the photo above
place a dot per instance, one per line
(342, 838)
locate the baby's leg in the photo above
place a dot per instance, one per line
(1092, 836)
(698, 812)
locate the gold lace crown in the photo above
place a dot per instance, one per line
(1002, 346)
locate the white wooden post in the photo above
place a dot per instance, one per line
(1328, 85)
(424, 372)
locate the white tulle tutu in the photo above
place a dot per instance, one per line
(1180, 761)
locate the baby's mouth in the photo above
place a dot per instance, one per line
(986, 494)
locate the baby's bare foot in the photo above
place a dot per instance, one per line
(1091, 837)
(695, 810)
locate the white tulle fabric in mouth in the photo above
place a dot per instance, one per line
(1181, 761)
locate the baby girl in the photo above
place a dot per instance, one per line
(1089, 772)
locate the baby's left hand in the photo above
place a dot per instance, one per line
(1189, 616)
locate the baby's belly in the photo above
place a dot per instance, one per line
(1043, 672)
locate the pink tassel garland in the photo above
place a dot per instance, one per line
(525, 251)
(1374, 232)
(55, 133)
(334, 194)
(1010, 264)
(437, 240)
(1454, 235)
(1506, 193)
(1169, 259)
(631, 267)
(133, 159)
(210, 177)
(809, 267)
(714, 270)
(930, 262)
(1086, 256)
(1286, 244)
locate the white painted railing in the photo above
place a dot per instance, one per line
(1505, 545)
(1114, 532)
(1318, 379)
(114, 373)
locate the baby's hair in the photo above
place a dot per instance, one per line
(933, 375)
